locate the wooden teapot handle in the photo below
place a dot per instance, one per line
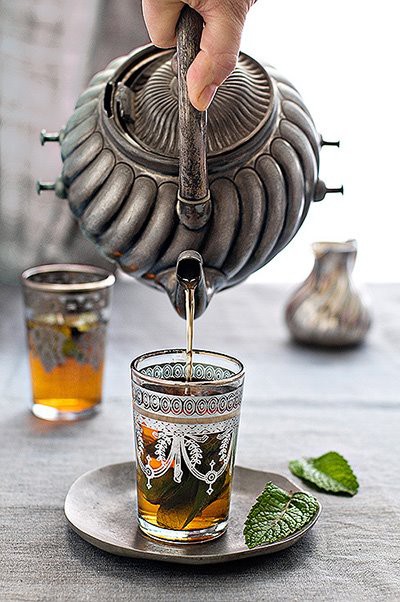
(194, 204)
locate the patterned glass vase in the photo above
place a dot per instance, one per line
(327, 309)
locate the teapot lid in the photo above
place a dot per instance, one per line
(146, 104)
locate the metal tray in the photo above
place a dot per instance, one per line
(100, 507)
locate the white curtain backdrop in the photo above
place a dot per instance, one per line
(343, 56)
(48, 52)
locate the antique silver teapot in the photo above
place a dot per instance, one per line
(149, 177)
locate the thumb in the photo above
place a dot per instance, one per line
(219, 49)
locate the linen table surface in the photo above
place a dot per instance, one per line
(298, 401)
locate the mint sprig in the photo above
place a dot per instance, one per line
(278, 514)
(330, 472)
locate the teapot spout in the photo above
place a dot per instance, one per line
(190, 273)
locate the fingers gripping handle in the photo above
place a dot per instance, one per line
(194, 204)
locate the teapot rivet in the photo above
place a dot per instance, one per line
(339, 190)
(321, 190)
(330, 142)
(57, 186)
(44, 186)
(46, 136)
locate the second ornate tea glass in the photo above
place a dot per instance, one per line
(185, 435)
(67, 307)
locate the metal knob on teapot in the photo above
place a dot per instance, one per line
(148, 176)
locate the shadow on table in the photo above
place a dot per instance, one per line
(326, 350)
(31, 425)
(128, 568)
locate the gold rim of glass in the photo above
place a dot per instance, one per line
(106, 278)
(161, 381)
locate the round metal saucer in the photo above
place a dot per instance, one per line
(100, 507)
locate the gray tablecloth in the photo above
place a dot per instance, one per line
(297, 402)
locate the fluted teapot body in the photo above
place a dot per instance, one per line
(123, 150)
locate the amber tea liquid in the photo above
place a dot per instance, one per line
(186, 505)
(66, 354)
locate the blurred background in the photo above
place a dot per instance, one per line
(342, 57)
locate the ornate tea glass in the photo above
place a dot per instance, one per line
(185, 436)
(66, 310)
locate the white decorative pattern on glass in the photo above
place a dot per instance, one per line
(177, 443)
(176, 371)
(54, 347)
(194, 407)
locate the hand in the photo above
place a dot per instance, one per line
(220, 41)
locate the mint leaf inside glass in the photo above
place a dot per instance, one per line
(330, 472)
(278, 514)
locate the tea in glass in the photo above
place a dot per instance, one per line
(185, 434)
(67, 309)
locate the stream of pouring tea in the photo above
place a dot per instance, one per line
(189, 276)
(189, 310)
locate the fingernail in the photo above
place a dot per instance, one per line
(206, 96)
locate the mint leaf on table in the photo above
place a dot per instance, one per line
(278, 514)
(330, 472)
